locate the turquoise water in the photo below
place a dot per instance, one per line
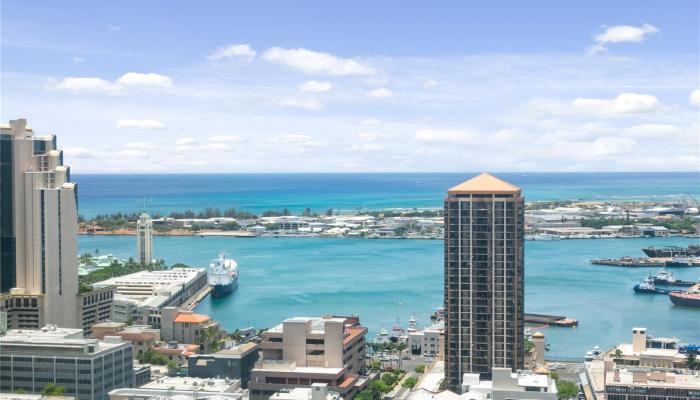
(384, 279)
(259, 192)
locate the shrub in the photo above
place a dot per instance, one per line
(410, 382)
(420, 369)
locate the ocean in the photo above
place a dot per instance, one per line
(387, 280)
(163, 193)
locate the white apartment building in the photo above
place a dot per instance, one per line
(39, 221)
(508, 385)
(427, 341)
(317, 391)
(144, 239)
(302, 351)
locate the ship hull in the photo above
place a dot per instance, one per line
(222, 290)
(684, 301)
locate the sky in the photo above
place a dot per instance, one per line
(393, 86)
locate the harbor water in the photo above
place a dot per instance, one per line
(386, 280)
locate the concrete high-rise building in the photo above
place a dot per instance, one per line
(39, 225)
(144, 239)
(483, 278)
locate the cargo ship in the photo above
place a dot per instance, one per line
(673, 251)
(688, 298)
(222, 276)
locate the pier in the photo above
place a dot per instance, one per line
(551, 320)
(194, 300)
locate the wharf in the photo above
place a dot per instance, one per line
(631, 262)
(551, 320)
(194, 300)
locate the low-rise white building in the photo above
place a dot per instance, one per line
(182, 388)
(317, 391)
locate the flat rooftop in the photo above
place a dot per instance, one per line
(190, 384)
(49, 331)
(651, 378)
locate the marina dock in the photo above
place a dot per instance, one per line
(631, 262)
(551, 320)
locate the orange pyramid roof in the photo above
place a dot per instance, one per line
(484, 184)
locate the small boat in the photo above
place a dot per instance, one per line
(438, 315)
(664, 277)
(647, 287)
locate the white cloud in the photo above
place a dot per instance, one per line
(297, 140)
(218, 146)
(313, 62)
(625, 103)
(85, 85)
(226, 139)
(140, 124)
(366, 147)
(150, 80)
(132, 153)
(78, 152)
(380, 93)
(78, 59)
(611, 145)
(430, 83)
(316, 86)
(695, 97)
(306, 104)
(444, 137)
(114, 28)
(653, 130)
(140, 145)
(239, 51)
(184, 141)
(373, 136)
(620, 34)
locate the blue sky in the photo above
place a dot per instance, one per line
(322, 86)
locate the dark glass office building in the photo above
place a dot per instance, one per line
(484, 311)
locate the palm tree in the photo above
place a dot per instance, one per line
(401, 346)
(237, 335)
(691, 360)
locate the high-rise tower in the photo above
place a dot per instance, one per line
(39, 226)
(144, 239)
(483, 278)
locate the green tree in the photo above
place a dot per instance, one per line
(173, 367)
(401, 346)
(618, 353)
(51, 389)
(566, 390)
(420, 368)
(691, 361)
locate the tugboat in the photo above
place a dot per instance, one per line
(688, 298)
(222, 276)
(667, 278)
(647, 287)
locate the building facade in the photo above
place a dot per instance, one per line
(484, 240)
(234, 363)
(95, 306)
(304, 350)
(39, 223)
(87, 368)
(144, 239)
